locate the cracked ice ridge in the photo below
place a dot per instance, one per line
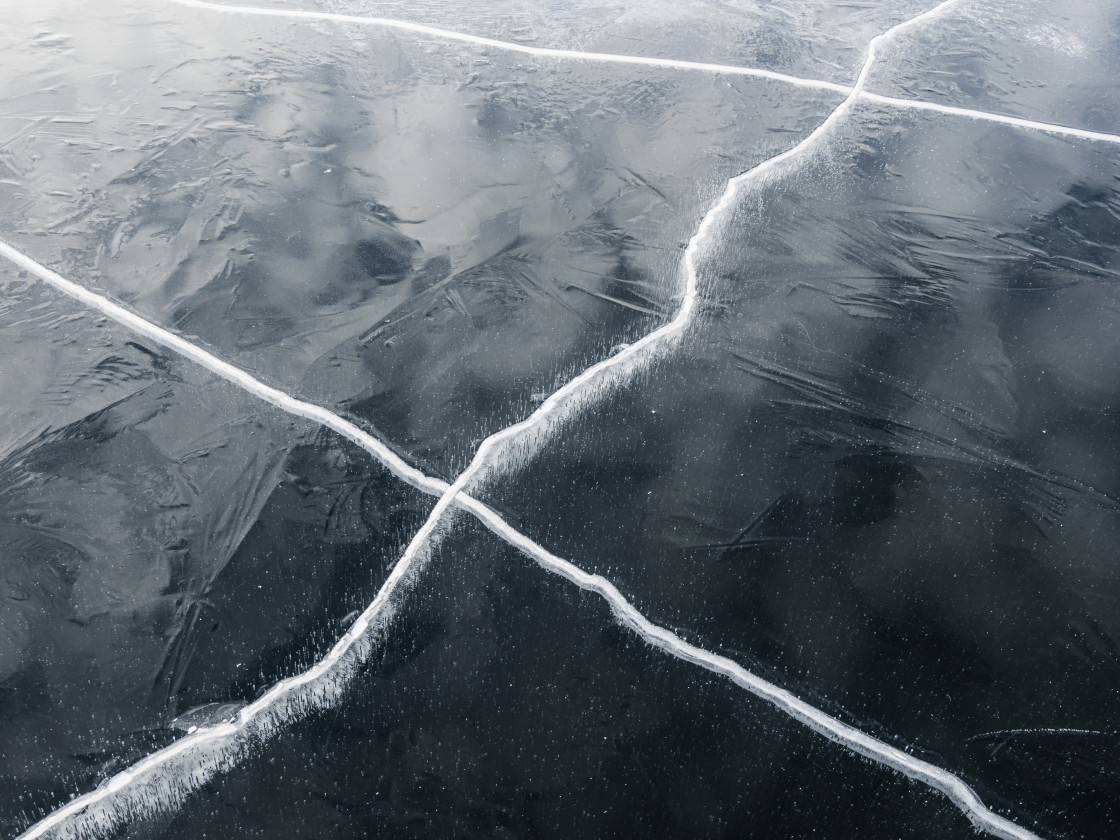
(207, 751)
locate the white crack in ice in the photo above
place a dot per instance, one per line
(511, 46)
(202, 754)
(646, 61)
(988, 116)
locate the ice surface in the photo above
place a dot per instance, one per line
(886, 433)
(424, 233)
(505, 702)
(1024, 58)
(111, 532)
(815, 39)
(896, 498)
(169, 541)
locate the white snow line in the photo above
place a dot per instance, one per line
(670, 63)
(381, 608)
(1039, 731)
(225, 370)
(834, 730)
(374, 612)
(818, 721)
(511, 46)
(684, 314)
(988, 116)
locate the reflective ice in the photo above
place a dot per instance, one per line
(877, 468)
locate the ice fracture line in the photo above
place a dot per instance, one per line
(211, 750)
(396, 465)
(646, 61)
(830, 727)
(512, 46)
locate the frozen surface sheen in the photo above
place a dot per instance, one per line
(506, 702)
(879, 468)
(817, 39)
(1023, 58)
(885, 470)
(426, 234)
(169, 544)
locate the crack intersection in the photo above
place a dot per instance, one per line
(208, 751)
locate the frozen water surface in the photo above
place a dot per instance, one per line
(169, 543)
(813, 39)
(1023, 58)
(426, 233)
(506, 702)
(884, 470)
(846, 437)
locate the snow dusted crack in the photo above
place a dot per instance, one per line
(512, 46)
(834, 730)
(162, 780)
(395, 464)
(988, 116)
(669, 63)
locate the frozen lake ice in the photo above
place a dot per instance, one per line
(555, 418)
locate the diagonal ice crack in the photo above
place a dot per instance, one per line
(668, 63)
(988, 116)
(513, 46)
(395, 464)
(202, 754)
(820, 722)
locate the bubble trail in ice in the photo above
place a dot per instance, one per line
(199, 756)
(669, 63)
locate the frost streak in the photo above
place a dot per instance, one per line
(510, 46)
(987, 116)
(835, 730)
(236, 375)
(198, 757)
(675, 64)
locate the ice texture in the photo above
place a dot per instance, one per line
(836, 326)
(899, 498)
(506, 702)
